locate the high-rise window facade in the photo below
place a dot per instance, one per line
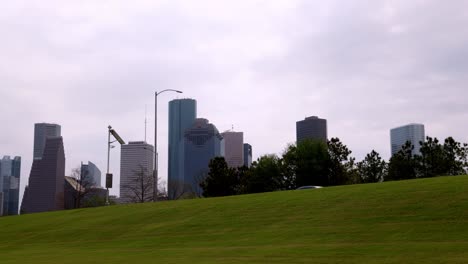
(42, 131)
(45, 190)
(311, 128)
(413, 133)
(202, 144)
(247, 155)
(233, 148)
(136, 172)
(182, 115)
(10, 171)
(91, 172)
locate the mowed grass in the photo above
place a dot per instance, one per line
(416, 221)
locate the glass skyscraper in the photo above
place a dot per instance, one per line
(10, 171)
(182, 114)
(45, 189)
(413, 133)
(247, 155)
(91, 172)
(42, 131)
(202, 144)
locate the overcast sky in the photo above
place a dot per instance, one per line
(365, 66)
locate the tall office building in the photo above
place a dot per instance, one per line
(412, 132)
(41, 132)
(182, 114)
(247, 155)
(136, 167)
(202, 144)
(44, 191)
(10, 171)
(91, 172)
(3, 167)
(311, 128)
(233, 148)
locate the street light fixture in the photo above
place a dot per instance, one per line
(109, 146)
(155, 171)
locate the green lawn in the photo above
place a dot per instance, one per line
(416, 221)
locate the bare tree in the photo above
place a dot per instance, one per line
(197, 190)
(162, 193)
(182, 190)
(140, 188)
(82, 185)
(178, 190)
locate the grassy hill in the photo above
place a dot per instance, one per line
(416, 221)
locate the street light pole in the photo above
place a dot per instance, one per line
(109, 146)
(155, 171)
(108, 162)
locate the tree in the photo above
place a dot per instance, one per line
(305, 164)
(340, 164)
(402, 165)
(221, 180)
(140, 187)
(263, 176)
(179, 190)
(95, 198)
(372, 168)
(455, 157)
(430, 162)
(82, 185)
(438, 159)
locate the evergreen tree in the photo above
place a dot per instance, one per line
(221, 180)
(373, 168)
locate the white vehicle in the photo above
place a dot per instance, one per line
(309, 187)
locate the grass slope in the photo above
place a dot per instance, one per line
(416, 221)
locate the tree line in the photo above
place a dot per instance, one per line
(330, 163)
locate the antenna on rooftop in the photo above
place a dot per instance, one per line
(146, 121)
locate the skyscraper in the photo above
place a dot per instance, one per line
(411, 132)
(10, 171)
(136, 168)
(44, 191)
(202, 144)
(1, 203)
(2, 183)
(311, 128)
(233, 148)
(182, 114)
(247, 155)
(91, 171)
(41, 132)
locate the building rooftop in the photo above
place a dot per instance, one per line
(411, 124)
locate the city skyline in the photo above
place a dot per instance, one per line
(261, 73)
